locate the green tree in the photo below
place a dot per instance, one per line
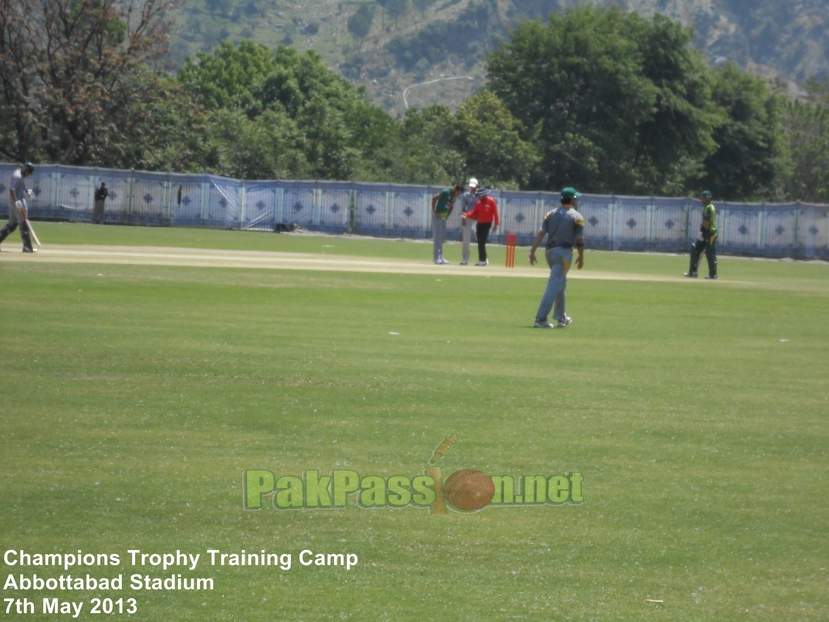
(618, 103)
(805, 129)
(162, 130)
(359, 24)
(268, 147)
(341, 130)
(72, 76)
(489, 138)
(746, 162)
(397, 9)
(426, 149)
(321, 102)
(672, 141)
(230, 77)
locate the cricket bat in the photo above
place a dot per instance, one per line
(29, 223)
(32, 232)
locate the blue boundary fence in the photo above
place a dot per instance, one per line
(798, 230)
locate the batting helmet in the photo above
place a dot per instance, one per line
(29, 168)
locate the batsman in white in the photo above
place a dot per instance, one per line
(18, 207)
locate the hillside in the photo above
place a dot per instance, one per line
(443, 42)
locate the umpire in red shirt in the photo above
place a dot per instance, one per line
(486, 213)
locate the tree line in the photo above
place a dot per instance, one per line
(606, 101)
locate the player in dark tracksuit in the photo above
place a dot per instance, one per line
(706, 240)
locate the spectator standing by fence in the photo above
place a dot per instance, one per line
(100, 196)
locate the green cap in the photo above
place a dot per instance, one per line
(706, 194)
(569, 193)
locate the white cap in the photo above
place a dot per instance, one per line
(473, 182)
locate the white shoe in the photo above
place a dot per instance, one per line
(438, 262)
(542, 324)
(485, 262)
(565, 321)
(442, 260)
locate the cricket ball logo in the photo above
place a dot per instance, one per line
(467, 490)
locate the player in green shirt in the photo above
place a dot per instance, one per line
(442, 205)
(706, 240)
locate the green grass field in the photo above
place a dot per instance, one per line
(134, 398)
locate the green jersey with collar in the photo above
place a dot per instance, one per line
(709, 216)
(445, 202)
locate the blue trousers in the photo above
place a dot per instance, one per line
(559, 260)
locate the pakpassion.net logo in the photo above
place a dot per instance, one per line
(467, 490)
